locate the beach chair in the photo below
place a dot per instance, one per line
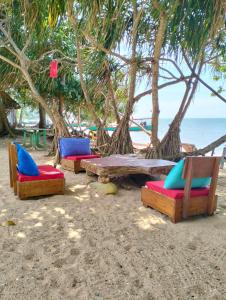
(50, 180)
(72, 151)
(223, 158)
(179, 204)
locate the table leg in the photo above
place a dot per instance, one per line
(44, 139)
(24, 138)
(103, 179)
(88, 173)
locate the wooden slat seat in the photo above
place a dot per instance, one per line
(192, 201)
(50, 181)
(46, 172)
(177, 194)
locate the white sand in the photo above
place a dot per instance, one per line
(84, 246)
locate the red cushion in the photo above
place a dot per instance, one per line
(158, 186)
(79, 157)
(46, 172)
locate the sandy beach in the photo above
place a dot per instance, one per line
(85, 246)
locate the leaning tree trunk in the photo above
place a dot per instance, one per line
(155, 76)
(169, 147)
(61, 129)
(4, 124)
(42, 117)
(121, 142)
(61, 104)
(103, 140)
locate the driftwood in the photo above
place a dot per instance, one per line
(209, 147)
(202, 151)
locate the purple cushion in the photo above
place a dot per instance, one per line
(74, 146)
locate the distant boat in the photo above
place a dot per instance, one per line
(132, 128)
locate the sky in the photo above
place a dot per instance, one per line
(203, 106)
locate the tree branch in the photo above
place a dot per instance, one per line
(209, 147)
(10, 62)
(138, 97)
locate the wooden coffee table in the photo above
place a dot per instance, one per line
(119, 165)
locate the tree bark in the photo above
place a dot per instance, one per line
(209, 147)
(4, 124)
(155, 75)
(103, 136)
(121, 140)
(61, 104)
(42, 117)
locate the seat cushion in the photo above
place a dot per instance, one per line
(46, 172)
(158, 186)
(79, 157)
(26, 165)
(174, 178)
(74, 146)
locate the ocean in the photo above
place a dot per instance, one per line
(199, 132)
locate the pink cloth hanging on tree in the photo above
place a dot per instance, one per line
(53, 69)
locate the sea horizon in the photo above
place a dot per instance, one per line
(197, 131)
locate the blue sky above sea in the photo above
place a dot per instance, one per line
(203, 105)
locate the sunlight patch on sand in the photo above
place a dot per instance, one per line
(3, 212)
(68, 217)
(44, 208)
(60, 210)
(82, 198)
(147, 222)
(142, 208)
(39, 224)
(74, 234)
(33, 215)
(77, 186)
(21, 235)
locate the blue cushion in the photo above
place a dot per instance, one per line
(74, 146)
(174, 178)
(26, 165)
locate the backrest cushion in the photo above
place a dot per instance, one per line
(26, 164)
(74, 146)
(174, 178)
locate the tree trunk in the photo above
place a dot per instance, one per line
(103, 140)
(210, 147)
(121, 140)
(170, 144)
(4, 124)
(61, 104)
(42, 117)
(21, 117)
(155, 76)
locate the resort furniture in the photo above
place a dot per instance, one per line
(49, 181)
(179, 204)
(72, 151)
(223, 158)
(118, 165)
(34, 136)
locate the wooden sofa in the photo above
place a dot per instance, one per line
(72, 162)
(50, 181)
(180, 204)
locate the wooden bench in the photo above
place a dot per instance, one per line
(178, 208)
(31, 187)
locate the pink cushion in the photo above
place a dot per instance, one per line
(79, 157)
(46, 172)
(158, 186)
